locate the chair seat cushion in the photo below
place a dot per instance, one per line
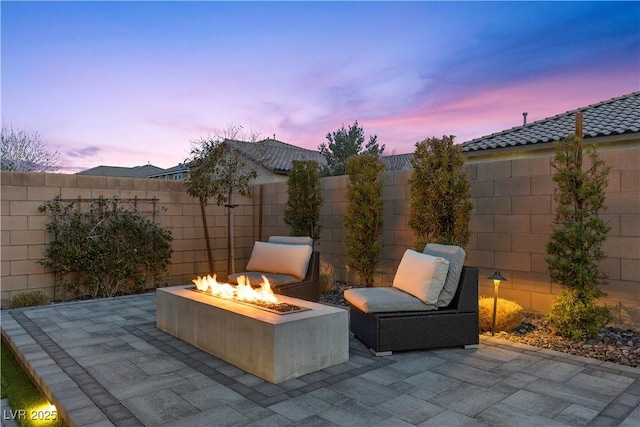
(382, 300)
(255, 278)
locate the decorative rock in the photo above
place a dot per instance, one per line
(611, 344)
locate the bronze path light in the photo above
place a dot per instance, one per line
(497, 278)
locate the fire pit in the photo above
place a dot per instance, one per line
(278, 308)
(244, 293)
(270, 345)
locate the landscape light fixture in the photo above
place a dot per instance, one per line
(497, 278)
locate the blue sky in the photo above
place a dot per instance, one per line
(127, 83)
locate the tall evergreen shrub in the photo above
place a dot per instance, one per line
(440, 207)
(302, 213)
(363, 216)
(575, 248)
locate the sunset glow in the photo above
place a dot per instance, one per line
(127, 83)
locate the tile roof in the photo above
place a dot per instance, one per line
(615, 116)
(179, 168)
(276, 156)
(123, 172)
(397, 162)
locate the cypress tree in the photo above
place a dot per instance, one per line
(363, 215)
(440, 207)
(302, 213)
(575, 248)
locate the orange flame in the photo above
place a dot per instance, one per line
(242, 292)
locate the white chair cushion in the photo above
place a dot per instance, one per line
(384, 300)
(421, 275)
(292, 240)
(456, 256)
(280, 259)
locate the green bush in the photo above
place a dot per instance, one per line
(302, 213)
(576, 315)
(106, 250)
(29, 299)
(363, 216)
(440, 207)
(326, 277)
(575, 248)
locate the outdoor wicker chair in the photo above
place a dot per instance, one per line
(307, 287)
(451, 326)
(401, 318)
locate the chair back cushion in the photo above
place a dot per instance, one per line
(292, 240)
(280, 259)
(421, 275)
(456, 256)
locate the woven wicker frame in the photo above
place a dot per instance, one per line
(451, 326)
(307, 289)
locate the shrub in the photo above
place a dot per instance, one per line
(575, 248)
(576, 315)
(29, 299)
(508, 314)
(440, 207)
(326, 277)
(363, 216)
(302, 213)
(106, 250)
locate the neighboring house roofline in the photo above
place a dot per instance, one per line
(275, 156)
(122, 172)
(613, 121)
(604, 120)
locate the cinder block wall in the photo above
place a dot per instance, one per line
(514, 215)
(24, 238)
(511, 224)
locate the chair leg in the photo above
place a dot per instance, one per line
(380, 353)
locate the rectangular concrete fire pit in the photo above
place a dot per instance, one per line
(274, 347)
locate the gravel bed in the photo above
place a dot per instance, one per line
(336, 295)
(615, 345)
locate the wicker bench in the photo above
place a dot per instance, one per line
(450, 326)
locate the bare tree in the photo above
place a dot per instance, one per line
(26, 152)
(237, 133)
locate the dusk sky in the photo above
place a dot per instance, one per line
(128, 83)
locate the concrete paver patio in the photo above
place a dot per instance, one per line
(104, 362)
